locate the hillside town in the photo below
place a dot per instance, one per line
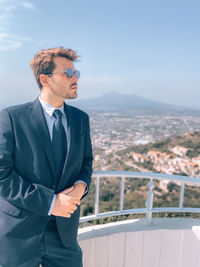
(116, 136)
(156, 142)
(169, 163)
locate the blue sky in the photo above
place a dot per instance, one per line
(149, 48)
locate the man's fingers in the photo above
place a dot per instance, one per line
(76, 201)
(65, 205)
(71, 200)
(71, 210)
(65, 214)
(72, 207)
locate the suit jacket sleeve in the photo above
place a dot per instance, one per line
(13, 187)
(86, 170)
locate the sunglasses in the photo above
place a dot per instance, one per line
(68, 72)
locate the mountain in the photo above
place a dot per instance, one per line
(116, 101)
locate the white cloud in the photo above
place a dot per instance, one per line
(8, 42)
(8, 8)
(27, 5)
(3, 35)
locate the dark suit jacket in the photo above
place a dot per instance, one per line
(27, 177)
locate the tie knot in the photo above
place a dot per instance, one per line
(57, 114)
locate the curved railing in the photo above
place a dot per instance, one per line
(149, 202)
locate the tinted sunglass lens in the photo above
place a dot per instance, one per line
(77, 73)
(69, 73)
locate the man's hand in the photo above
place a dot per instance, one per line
(65, 205)
(77, 191)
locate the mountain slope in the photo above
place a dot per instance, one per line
(116, 100)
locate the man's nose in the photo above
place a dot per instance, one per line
(74, 78)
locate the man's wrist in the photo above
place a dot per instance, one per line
(79, 188)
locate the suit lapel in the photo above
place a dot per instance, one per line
(39, 123)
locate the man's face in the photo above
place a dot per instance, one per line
(59, 84)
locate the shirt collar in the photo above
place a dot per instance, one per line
(49, 109)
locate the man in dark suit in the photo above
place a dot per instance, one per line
(45, 169)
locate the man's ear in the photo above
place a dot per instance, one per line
(44, 79)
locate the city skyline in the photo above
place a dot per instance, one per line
(150, 48)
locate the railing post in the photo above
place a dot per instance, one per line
(97, 196)
(122, 194)
(181, 195)
(149, 202)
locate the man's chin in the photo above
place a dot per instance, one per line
(72, 96)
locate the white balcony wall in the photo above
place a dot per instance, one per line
(164, 243)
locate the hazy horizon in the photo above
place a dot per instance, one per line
(77, 100)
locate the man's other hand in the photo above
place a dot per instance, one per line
(77, 191)
(65, 204)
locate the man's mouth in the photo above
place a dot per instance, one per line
(74, 85)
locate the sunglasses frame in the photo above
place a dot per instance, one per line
(69, 75)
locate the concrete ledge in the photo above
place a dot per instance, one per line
(164, 243)
(137, 225)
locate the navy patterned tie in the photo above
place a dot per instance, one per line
(59, 143)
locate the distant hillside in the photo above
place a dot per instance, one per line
(179, 155)
(190, 141)
(115, 100)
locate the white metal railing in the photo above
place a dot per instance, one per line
(149, 202)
